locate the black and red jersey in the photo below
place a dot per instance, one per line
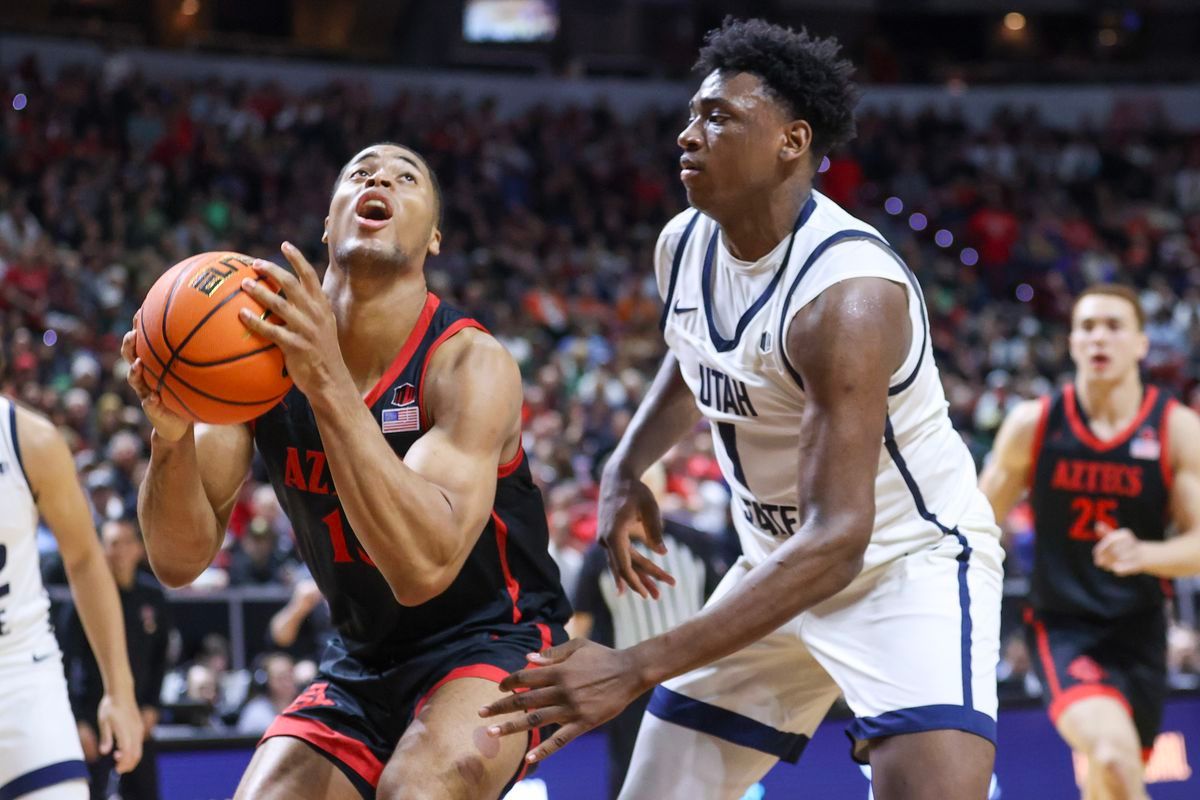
(1079, 481)
(509, 577)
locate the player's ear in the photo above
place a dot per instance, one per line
(435, 242)
(1143, 345)
(797, 140)
(325, 233)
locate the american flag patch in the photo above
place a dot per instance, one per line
(1146, 446)
(399, 420)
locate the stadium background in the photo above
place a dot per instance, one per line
(1014, 152)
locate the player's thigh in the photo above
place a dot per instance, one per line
(446, 752)
(711, 733)
(284, 768)
(913, 643)
(673, 762)
(39, 741)
(70, 790)
(1100, 722)
(931, 766)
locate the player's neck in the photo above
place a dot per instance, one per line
(1110, 404)
(754, 229)
(374, 318)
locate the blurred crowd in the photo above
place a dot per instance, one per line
(108, 177)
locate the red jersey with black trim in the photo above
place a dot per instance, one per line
(509, 576)
(1080, 481)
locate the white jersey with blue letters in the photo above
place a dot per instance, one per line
(912, 643)
(753, 397)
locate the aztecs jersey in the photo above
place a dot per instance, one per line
(1079, 481)
(509, 576)
(731, 352)
(25, 632)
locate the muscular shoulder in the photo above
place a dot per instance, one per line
(44, 451)
(1183, 431)
(1015, 440)
(472, 363)
(1025, 417)
(36, 432)
(668, 243)
(864, 315)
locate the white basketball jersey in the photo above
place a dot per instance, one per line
(25, 631)
(753, 398)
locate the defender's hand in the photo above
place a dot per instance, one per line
(578, 685)
(627, 507)
(167, 424)
(121, 731)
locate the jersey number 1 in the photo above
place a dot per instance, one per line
(337, 537)
(1089, 512)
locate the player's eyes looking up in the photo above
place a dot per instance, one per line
(363, 172)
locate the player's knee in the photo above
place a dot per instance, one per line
(1120, 768)
(464, 776)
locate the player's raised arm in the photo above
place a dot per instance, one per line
(61, 503)
(846, 344)
(1122, 552)
(1006, 474)
(664, 416)
(191, 484)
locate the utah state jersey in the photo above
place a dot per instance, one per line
(509, 576)
(1080, 481)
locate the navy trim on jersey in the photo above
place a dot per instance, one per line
(728, 435)
(923, 718)
(964, 558)
(675, 262)
(912, 279)
(818, 251)
(731, 726)
(722, 344)
(16, 445)
(42, 777)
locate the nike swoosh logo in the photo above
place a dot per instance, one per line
(38, 659)
(680, 310)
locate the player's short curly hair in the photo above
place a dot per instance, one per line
(805, 73)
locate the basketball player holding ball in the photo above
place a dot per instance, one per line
(397, 456)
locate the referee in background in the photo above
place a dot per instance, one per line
(622, 620)
(147, 635)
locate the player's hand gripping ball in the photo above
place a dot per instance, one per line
(204, 363)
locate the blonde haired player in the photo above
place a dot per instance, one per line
(40, 752)
(1108, 464)
(872, 562)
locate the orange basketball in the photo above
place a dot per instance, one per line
(204, 363)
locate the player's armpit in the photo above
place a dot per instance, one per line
(1007, 472)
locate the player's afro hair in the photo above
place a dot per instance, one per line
(804, 72)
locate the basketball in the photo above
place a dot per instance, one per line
(198, 356)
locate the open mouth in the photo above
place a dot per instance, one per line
(373, 209)
(1100, 361)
